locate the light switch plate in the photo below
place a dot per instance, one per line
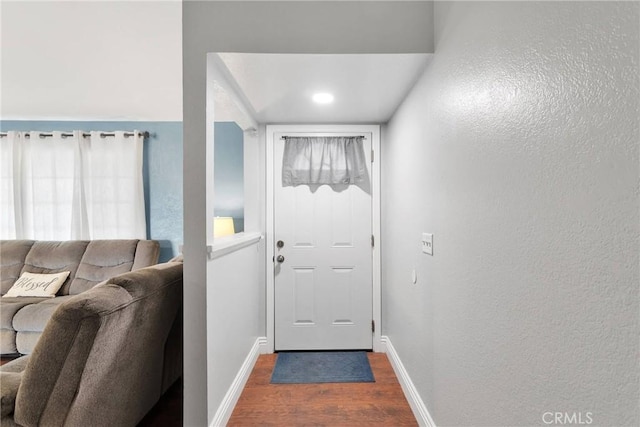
(427, 243)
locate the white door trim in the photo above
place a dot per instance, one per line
(375, 180)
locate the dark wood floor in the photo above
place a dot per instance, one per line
(347, 404)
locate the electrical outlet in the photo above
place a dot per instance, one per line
(427, 243)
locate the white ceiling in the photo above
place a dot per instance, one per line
(367, 87)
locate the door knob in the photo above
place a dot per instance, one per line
(280, 258)
(280, 243)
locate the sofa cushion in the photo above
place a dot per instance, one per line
(12, 254)
(54, 257)
(102, 260)
(26, 341)
(11, 305)
(34, 317)
(8, 341)
(147, 253)
(30, 321)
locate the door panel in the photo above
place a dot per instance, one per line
(304, 287)
(323, 288)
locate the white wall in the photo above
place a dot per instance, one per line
(234, 306)
(518, 150)
(261, 27)
(79, 60)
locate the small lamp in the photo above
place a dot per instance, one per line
(223, 226)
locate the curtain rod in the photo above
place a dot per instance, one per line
(347, 136)
(67, 134)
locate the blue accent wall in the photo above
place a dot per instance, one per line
(228, 172)
(162, 171)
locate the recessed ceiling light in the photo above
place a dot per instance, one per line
(322, 98)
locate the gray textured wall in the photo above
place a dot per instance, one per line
(519, 150)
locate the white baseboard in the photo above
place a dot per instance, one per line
(411, 393)
(263, 347)
(235, 390)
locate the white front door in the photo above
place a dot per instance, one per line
(323, 281)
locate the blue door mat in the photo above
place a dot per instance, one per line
(307, 367)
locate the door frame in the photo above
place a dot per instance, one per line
(271, 130)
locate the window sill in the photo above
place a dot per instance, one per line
(226, 245)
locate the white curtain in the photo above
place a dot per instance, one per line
(323, 160)
(63, 186)
(112, 177)
(8, 157)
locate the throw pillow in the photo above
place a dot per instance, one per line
(37, 285)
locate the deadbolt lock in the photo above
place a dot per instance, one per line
(280, 243)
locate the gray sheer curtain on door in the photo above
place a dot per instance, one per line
(323, 160)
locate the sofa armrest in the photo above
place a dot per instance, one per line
(52, 376)
(100, 359)
(9, 384)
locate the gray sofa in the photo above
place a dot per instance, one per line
(22, 319)
(105, 356)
